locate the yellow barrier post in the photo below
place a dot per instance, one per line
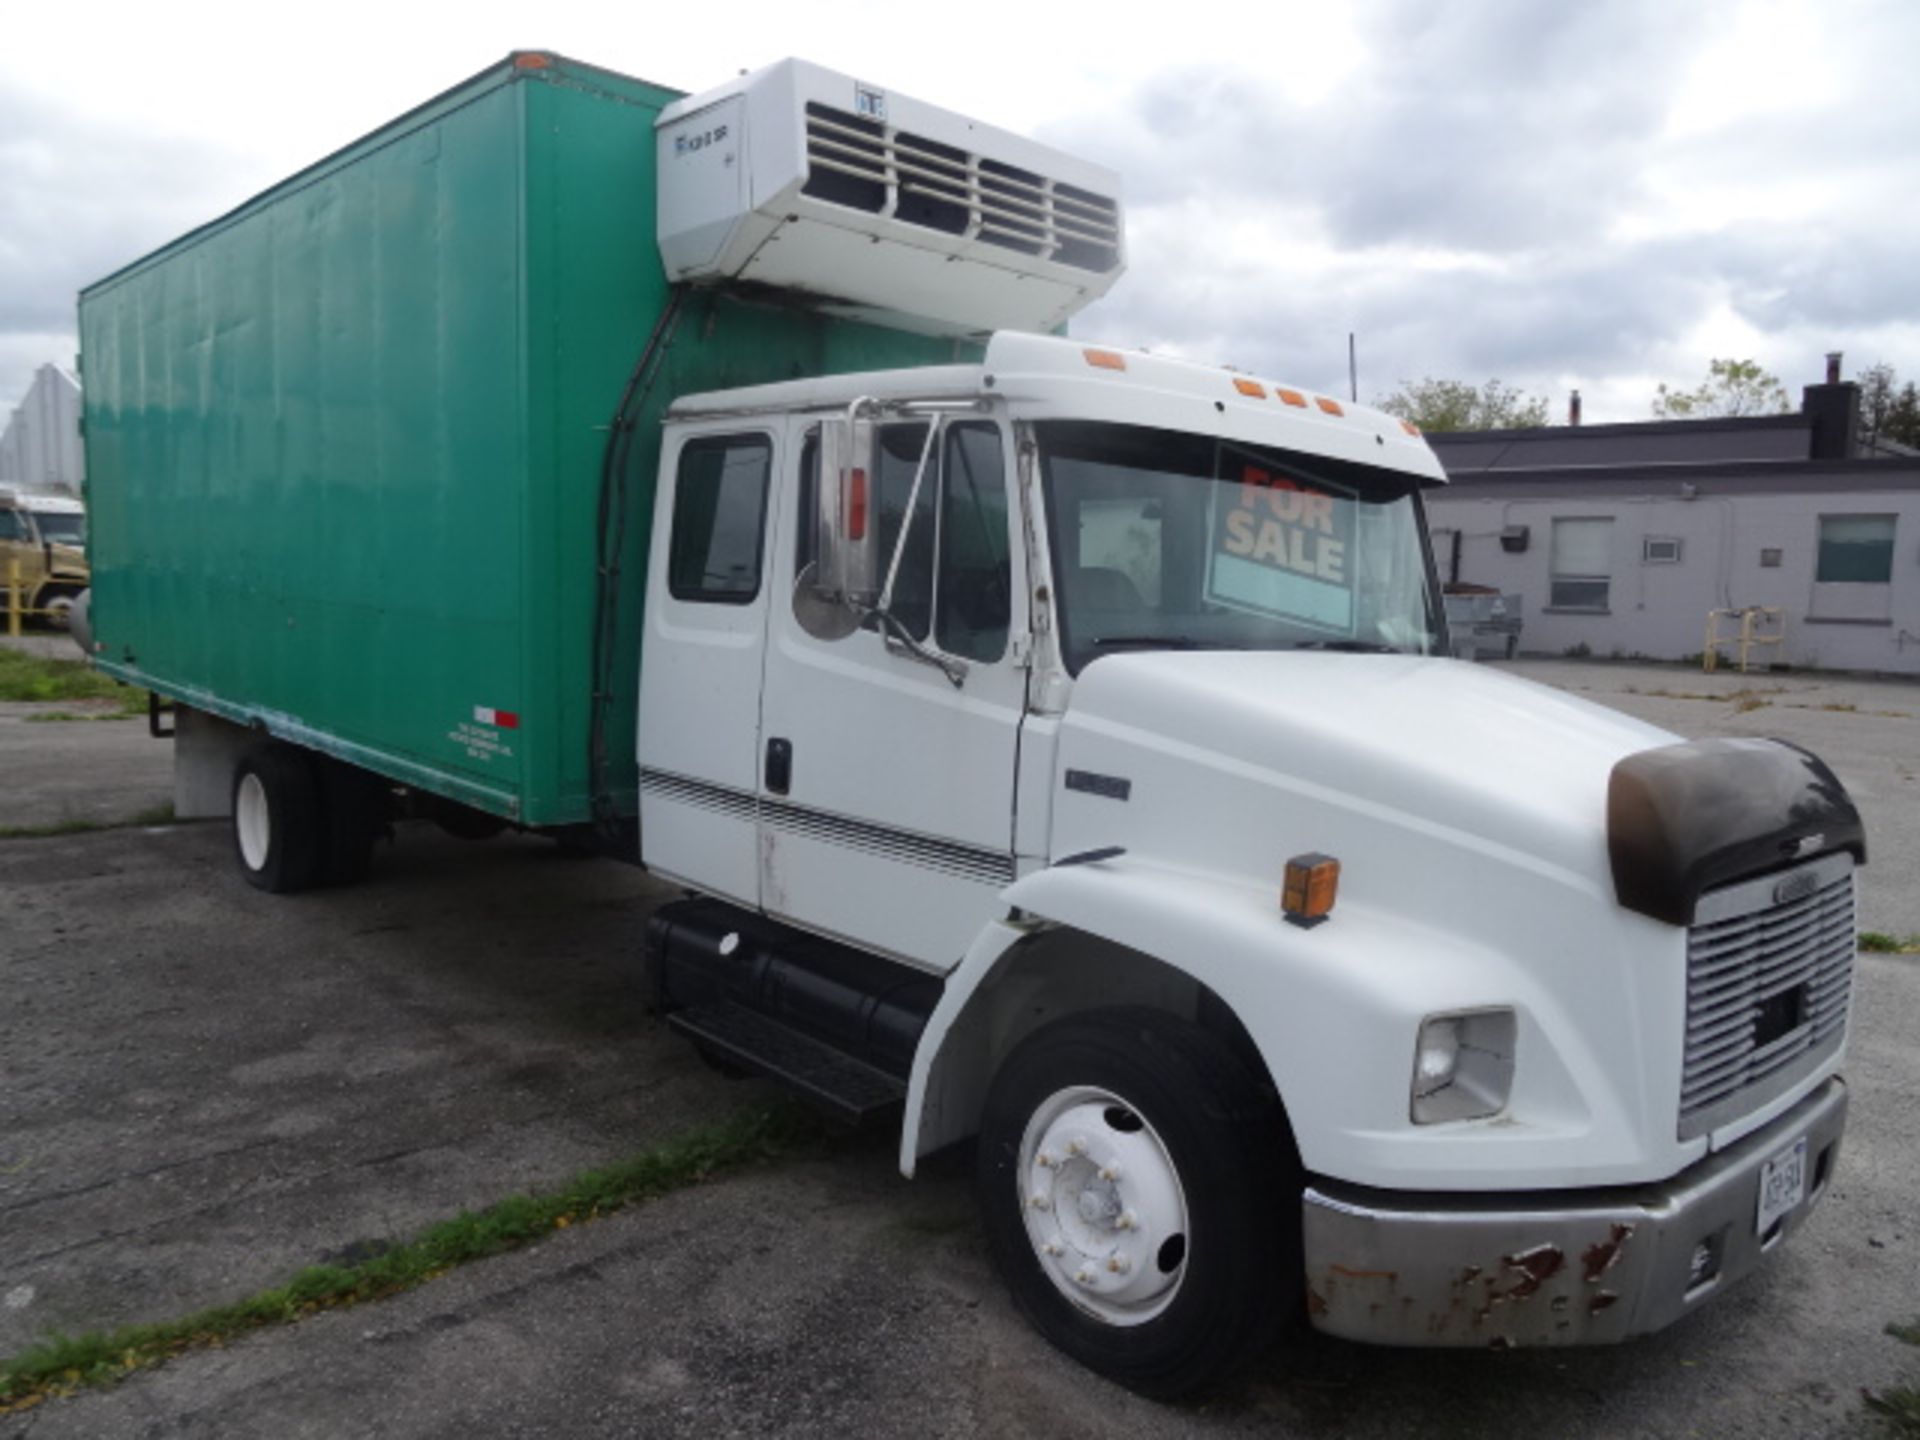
(13, 598)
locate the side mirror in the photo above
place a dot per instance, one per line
(842, 583)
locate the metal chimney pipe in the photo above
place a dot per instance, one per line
(1833, 367)
(1573, 408)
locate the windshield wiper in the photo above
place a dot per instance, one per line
(1354, 647)
(1164, 642)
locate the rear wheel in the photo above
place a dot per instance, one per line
(276, 819)
(353, 811)
(463, 822)
(1141, 1198)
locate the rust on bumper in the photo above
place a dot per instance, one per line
(1583, 1268)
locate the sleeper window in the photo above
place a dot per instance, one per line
(719, 519)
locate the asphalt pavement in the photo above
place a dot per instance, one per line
(203, 1088)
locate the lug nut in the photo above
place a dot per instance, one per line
(1043, 1160)
(1128, 1220)
(1050, 1248)
(1076, 1147)
(1119, 1264)
(1111, 1173)
(1041, 1202)
(1085, 1277)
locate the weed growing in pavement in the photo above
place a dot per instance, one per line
(161, 814)
(1898, 1409)
(1882, 943)
(61, 1364)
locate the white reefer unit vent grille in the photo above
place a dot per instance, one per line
(882, 206)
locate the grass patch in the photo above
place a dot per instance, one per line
(1907, 1334)
(132, 706)
(61, 1364)
(32, 677)
(1882, 943)
(161, 814)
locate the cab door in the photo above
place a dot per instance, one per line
(887, 777)
(700, 664)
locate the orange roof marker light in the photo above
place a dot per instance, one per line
(1332, 407)
(532, 60)
(1105, 359)
(1250, 387)
(1292, 397)
(1411, 428)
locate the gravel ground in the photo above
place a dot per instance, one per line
(203, 1087)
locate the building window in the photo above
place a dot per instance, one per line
(1582, 564)
(1660, 550)
(1855, 549)
(719, 517)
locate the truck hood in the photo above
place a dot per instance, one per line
(1328, 747)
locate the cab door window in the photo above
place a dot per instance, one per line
(954, 585)
(975, 588)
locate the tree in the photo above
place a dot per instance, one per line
(1732, 387)
(1442, 405)
(1903, 420)
(1888, 409)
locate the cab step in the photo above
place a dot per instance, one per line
(846, 1088)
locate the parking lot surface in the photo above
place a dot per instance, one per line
(203, 1088)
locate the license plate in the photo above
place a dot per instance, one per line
(1783, 1185)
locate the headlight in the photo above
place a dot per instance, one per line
(1463, 1066)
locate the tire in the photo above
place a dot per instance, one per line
(1180, 1252)
(353, 815)
(56, 606)
(277, 824)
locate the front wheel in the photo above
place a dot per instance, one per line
(1141, 1198)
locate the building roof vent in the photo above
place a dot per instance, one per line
(882, 206)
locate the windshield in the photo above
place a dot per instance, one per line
(1164, 540)
(60, 526)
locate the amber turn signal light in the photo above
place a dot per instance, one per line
(1311, 882)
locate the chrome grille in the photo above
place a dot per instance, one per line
(858, 162)
(1769, 977)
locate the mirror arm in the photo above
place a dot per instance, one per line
(954, 670)
(934, 432)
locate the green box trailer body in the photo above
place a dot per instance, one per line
(345, 443)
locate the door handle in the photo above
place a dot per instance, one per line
(779, 766)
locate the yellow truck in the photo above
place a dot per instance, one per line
(43, 556)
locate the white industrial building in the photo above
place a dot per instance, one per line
(1622, 538)
(41, 448)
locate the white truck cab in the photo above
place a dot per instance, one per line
(1068, 750)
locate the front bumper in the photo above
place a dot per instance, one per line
(1583, 1268)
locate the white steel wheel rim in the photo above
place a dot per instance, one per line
(252, 821)
(1103, 1205)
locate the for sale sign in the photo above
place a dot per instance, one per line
(1282, 544)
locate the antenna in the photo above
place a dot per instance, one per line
(1353, 370)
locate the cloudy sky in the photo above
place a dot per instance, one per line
(1603, 195)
